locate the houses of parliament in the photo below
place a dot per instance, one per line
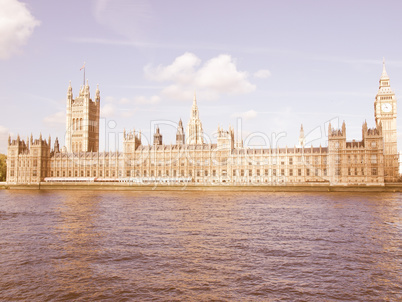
(373, 160)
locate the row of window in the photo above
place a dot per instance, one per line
(83, 174)
(58, 164)
(176, 173)
(266, 172)
(24, 163)
(25, 173)
(355, 172)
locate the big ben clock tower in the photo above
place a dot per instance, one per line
(385, 113)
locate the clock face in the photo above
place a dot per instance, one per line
(386, 107)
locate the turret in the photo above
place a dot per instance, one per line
(97, 93)
(344, 128)
(70, 92)
(180, 136)
(86, 91)
(225, 138)
(132, 141)
(157, 137)
(301, 137)
(56, 145)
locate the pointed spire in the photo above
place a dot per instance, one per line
(195, 98)
(56, 147)
(70, 91)
(384, 75)
(344, 128)
(301, 137)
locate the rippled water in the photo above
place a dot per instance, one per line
(182, 246)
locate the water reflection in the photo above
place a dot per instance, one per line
(186, 246)
(77, 244)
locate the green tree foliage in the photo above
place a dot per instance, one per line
(3, 167)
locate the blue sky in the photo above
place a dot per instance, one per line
(274, 64)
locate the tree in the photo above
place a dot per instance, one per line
(3, 167)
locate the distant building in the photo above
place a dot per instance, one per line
(372, 160)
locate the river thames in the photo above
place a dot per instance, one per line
(189, 246)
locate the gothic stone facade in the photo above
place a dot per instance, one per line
(372, 161)
(82, 121)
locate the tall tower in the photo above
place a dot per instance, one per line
(385, 113)
(82, 121)
(194, 127)
(180, 137)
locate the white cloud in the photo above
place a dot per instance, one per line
(182, 70)
(220, 74)
(262, 74)
(108, 110)
(215, 77)
(16, 26)
(247, 115)
(4, 132)
(55, 119)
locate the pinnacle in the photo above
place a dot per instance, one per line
(384, 74)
